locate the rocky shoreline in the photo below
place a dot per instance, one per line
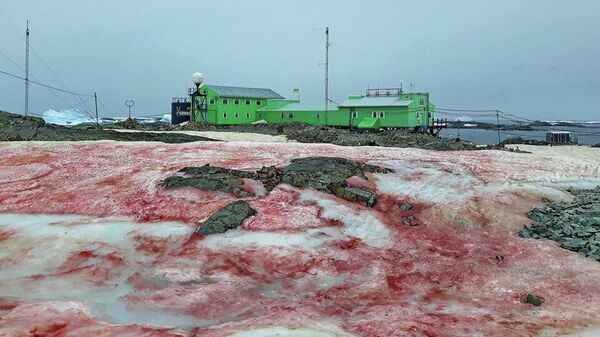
(15, 127)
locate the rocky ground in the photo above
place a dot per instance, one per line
(20, 128)
(318, 134)
(574, 225)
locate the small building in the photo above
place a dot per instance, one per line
(180, 110)
(558, 137)
(234, 105)
(388, 109)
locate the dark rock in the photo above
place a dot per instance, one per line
(269, 176)
(208, 170)
(228, 217)
(533, 300)
(213, 178)
(596, 145)
(409, 221)
(321, 173)
(21, 128)
(406, 207)
(215, 182)
(328, 174)
(355, 194)
(519, 140)
(325, 174)
(573, 225)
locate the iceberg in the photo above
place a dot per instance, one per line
(66, 117)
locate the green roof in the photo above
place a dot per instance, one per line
(242, 92)
(375, 101)
(297, 106)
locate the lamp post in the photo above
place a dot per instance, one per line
(129, 104)
(198, 79)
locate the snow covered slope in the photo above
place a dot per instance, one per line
(91, 245)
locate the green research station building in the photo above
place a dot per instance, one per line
(377, 108)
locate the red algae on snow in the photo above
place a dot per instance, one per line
(91, 245)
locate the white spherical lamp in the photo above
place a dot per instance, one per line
(198, 78)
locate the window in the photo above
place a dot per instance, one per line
(237, 101)
(354, 114)
(290, 115)
(381, 114)
(237, 115)
(211, 101)
(282, 115)
(225, 101)
(374, 114)
(422, 102)
(224, 114)
(258, 103)
(318, 116)
(247, 102)
(247, 115)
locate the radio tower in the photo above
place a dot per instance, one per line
(27, 70)
(327, 44)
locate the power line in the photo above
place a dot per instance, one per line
(44, 85)
(11, 60)
(49, 90)
(66, 90)
(466, 110)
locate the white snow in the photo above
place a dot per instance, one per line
(361, 224)
(282, 241)
(66, 117)
(41, 243)
(279, 331)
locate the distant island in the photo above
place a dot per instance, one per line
(527, 126)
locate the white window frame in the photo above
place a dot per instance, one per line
(381, 114)
(237, 115)
(224, 114)
(354, 114)
(211, 101)
(225, 101)
(236, 102)
(374, 114)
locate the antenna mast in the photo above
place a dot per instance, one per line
(27, 70)
(327, 44)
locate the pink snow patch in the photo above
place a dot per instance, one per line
(306, 263)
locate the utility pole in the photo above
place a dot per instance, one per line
(27, 70)
(498, 125)
(327, 44)
(96, 103)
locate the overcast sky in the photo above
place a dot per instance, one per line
(535, 58)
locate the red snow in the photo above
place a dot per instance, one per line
(439, 277)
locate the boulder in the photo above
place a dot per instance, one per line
(329, 174)
(228, 217)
